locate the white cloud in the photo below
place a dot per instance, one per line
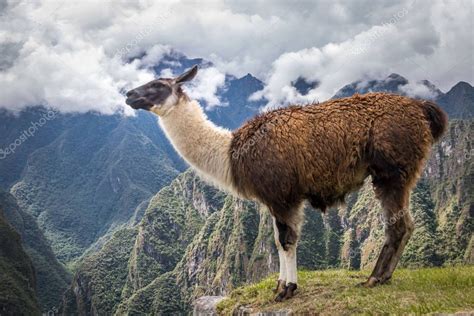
(204, 86)
(419, 90)
(408, 43)
(72, 55)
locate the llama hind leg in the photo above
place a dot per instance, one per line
(398, 230)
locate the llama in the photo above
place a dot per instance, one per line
(316, 153)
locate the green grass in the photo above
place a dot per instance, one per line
(330, 292)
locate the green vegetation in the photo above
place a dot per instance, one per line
(333, 292)
(101, 276)
(91, 176)
(131, 268)
(161, 297)
(17, 276)
(52, 279)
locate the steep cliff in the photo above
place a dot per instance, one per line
(52, 278)
(97, 285)
(136, 256)
(17, 275)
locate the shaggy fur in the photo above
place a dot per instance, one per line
(323, 151)
(318, 153)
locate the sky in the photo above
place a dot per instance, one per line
(74, 55)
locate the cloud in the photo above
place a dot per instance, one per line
(416, 41)
(205, 86)
(75, 56)
(417, 89)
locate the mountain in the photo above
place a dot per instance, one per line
(185, 228)
(177, 62)
(450, 176)
(26, 124)
(458, 102)
(17, 275)
(51, 277)
(237, 108)
(394, 83)
(92, 177)
(172, 219)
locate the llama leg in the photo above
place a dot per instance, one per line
(288, 233)
(398, 230)
(291, 266)
(281, 282)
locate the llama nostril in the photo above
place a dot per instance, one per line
(130, 93)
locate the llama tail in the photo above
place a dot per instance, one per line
(437, 118)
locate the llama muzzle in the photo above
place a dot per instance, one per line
(138, 102)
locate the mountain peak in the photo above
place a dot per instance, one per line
(248, 77)
(397, 77)
(458, 102)
(461, 85)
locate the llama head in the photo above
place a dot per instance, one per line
(160, 95)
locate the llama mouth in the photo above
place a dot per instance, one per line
(139, 103)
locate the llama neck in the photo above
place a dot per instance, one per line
(205, 146)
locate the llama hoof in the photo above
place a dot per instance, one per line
(371, 282)
(287, 292)
(280, 286)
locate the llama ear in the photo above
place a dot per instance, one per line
(188, 75)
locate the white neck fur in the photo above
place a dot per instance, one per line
(205, 146)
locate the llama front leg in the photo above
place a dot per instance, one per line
(288, 236)
(281, 282)
(290, 287)
(287, 289)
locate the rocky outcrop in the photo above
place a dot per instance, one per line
(206, 305)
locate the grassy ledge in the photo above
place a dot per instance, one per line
(330, 292)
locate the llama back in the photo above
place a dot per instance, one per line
(314, 151)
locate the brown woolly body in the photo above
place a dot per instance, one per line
(321, 152)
